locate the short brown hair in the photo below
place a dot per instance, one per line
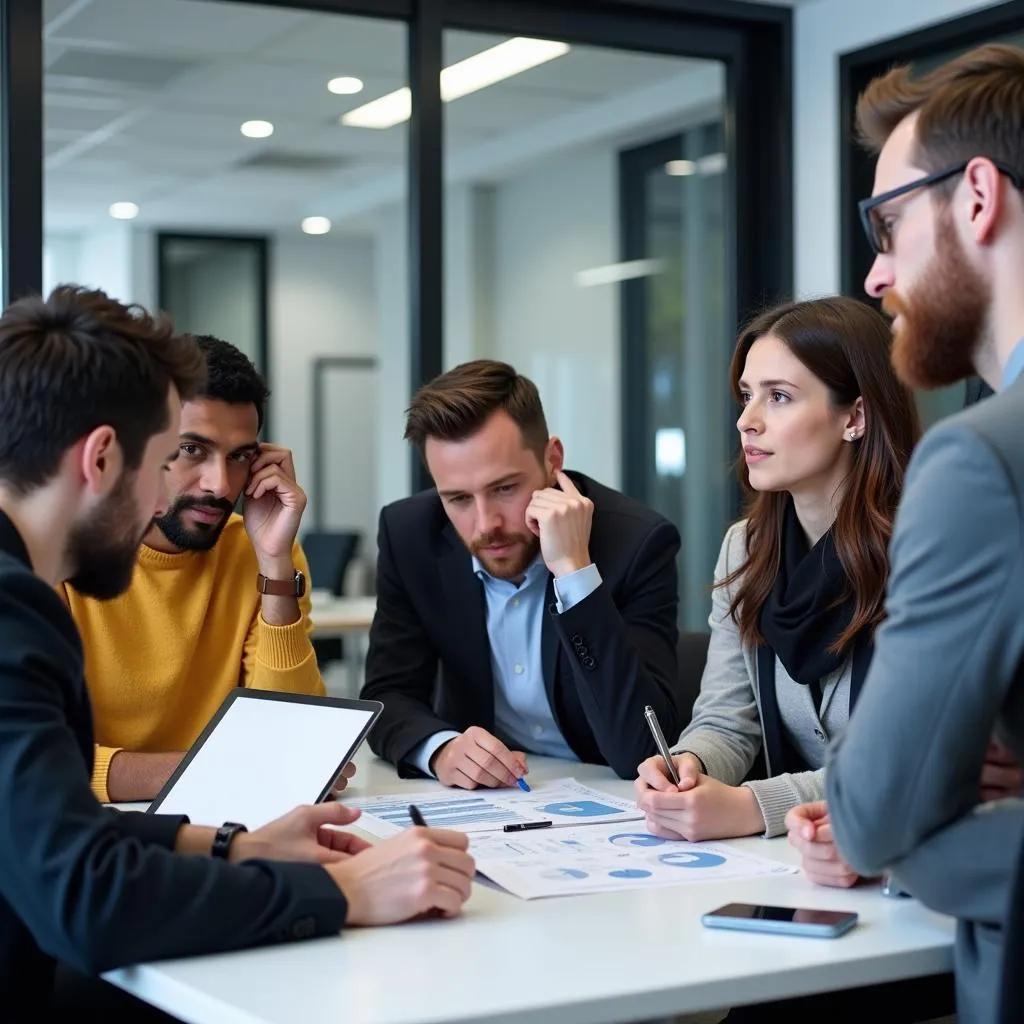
(456, 405)
(81, 360)
(973, 106)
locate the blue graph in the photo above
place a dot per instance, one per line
(630, 873)
(686, 859)
(635, 839)
(578, 809)
(558, 874)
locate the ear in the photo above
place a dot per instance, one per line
(855, 421)
(985, 199)
(554, 456)
(100, 460)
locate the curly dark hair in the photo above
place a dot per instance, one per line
(231, 376)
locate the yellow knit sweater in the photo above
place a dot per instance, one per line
(160, 659)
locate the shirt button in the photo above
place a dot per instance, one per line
(518, 670)
(820, 735)
(515, 602)
(538, 730)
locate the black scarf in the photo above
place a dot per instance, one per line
(800, 620)
(803, 614)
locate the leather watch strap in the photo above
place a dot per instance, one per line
(295, 587)
(224, 837)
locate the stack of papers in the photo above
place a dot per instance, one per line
(594, 843)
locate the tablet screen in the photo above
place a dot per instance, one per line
(263, 754)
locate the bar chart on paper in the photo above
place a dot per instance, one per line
(562, 802)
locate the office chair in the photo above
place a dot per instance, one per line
(329, 555)
(1011, 998)
(692, 655)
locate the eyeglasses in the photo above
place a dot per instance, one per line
(880, 233)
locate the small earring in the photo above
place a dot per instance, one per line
(852, 435)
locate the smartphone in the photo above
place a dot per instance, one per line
(750, 917)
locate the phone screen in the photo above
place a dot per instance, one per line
(791, 915)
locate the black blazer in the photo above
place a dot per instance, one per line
(604, 659)
(86, 884)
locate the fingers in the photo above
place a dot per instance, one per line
(329, 813)
(565, 482)
(462, 780)
(349, 770)
(998, 754)
(446, 838)
(274, 455)
(500, 761)
(342, 842)
(661, 803)
(995, 777)
(836, 876)
(272, 481)
(689, 771)
(652, 774)
(657, 827)
(804, 819)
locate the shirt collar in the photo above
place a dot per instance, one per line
(1014, 365)
(532, 570)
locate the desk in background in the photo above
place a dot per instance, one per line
(610, 957)
(347, 618)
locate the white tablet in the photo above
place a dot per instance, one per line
(264, 753)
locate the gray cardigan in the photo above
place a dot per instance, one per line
(725, 731)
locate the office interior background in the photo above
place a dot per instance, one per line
(597, 192)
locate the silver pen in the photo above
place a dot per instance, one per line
(659, 739)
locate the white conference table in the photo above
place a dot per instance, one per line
(608, 957)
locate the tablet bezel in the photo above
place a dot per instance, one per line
(374, 706)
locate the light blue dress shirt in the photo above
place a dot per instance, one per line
(1014, 365)
(515, 621)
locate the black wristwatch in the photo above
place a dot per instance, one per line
(223, 839)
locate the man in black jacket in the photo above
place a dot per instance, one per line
(90, 397)
(547, 601)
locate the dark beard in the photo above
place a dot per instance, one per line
(102, 550)
(529, 545)
(943, 320)
(204, 536)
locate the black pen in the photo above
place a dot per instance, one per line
(417, 818)
(526, 826)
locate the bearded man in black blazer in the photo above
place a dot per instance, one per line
(520, 608)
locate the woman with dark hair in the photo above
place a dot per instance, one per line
(826, 431)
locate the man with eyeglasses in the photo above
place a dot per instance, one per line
(946, 687)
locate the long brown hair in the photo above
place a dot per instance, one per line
(845, 344)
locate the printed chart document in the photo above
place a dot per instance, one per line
(562, 802)
(606, 858)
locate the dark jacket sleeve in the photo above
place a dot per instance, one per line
(401, 665)
(91, 893)
(622, 647)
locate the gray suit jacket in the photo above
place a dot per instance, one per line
(948, 671)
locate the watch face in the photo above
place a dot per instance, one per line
(300, 583)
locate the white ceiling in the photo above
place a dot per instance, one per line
(144, 99)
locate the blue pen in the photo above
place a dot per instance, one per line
(521, 783)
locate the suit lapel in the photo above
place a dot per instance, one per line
(549, 647)
(467, 615)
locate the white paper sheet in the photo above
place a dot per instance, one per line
(606, 858)
(562, 801)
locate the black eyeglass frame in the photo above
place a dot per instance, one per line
(866, 206)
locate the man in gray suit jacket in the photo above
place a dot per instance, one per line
(947, 681)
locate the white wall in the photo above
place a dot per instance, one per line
(551, 222)
(823, 30)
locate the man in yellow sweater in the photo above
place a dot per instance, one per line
(217, 600)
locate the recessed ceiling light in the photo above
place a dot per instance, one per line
(316, 225)
(680, 168)
(345, 86)
(124, 211)
(257, 129)
(495, 64)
